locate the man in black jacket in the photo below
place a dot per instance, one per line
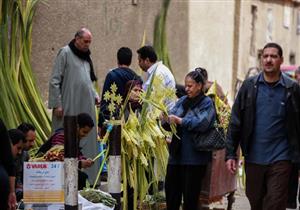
(265, 122)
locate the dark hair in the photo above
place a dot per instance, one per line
(25, 127)
(180, 90)
(16, 136)
(147, 52)
(84, 119)
(124, 56)
(274, 45)
(196, 76)
(203, 72)
(131, 84)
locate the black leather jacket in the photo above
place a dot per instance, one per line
(243, 117)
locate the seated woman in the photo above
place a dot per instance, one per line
(186, 166)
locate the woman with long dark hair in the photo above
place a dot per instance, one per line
(186, 167)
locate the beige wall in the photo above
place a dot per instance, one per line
(285, 36)
(199, 33)
(211, 39)
(114, 23)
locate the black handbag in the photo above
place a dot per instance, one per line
(212, 139)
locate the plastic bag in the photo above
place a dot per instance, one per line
(87, 205)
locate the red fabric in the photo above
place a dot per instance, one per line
(59, 139)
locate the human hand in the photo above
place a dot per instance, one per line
(174, 119)
(163, 117)
(12, 201)
(86, 163)
(58, 111)
(97, 101)
(231, 165)
(168, 140)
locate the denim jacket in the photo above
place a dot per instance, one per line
(198, 118)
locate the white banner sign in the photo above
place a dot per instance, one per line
(43, 182)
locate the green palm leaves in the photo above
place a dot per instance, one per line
(20, 100)
(160, 37)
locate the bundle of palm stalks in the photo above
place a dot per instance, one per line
(20, 99)
(223, 109)
(56, 153)
(144, 146)
(160, 36)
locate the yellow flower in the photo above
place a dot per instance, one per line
(113, 88)
(112, 97)
(111, 107)
(106, 96)
(118, 99)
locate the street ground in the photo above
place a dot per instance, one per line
(241, 201)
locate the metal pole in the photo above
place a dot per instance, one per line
(71, 163)
(114, 172)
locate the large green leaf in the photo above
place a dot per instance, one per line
(20, 99)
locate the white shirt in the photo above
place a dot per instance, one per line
(167, 77)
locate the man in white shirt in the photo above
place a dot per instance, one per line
(148, 62)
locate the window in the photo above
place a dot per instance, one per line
(286, 16)
(269, 33)
(292, 58)
(298, 22)
(253, 29)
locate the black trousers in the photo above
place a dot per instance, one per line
(82, 178)
(293, 188)
(183, 181)
(267, 185)
(4, 188)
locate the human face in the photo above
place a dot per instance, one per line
(17, 149)
(30, 139)
(271, 61)
(83, 132)
(83, 43)
(192, 88)
(144, 63)
(135, 93)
